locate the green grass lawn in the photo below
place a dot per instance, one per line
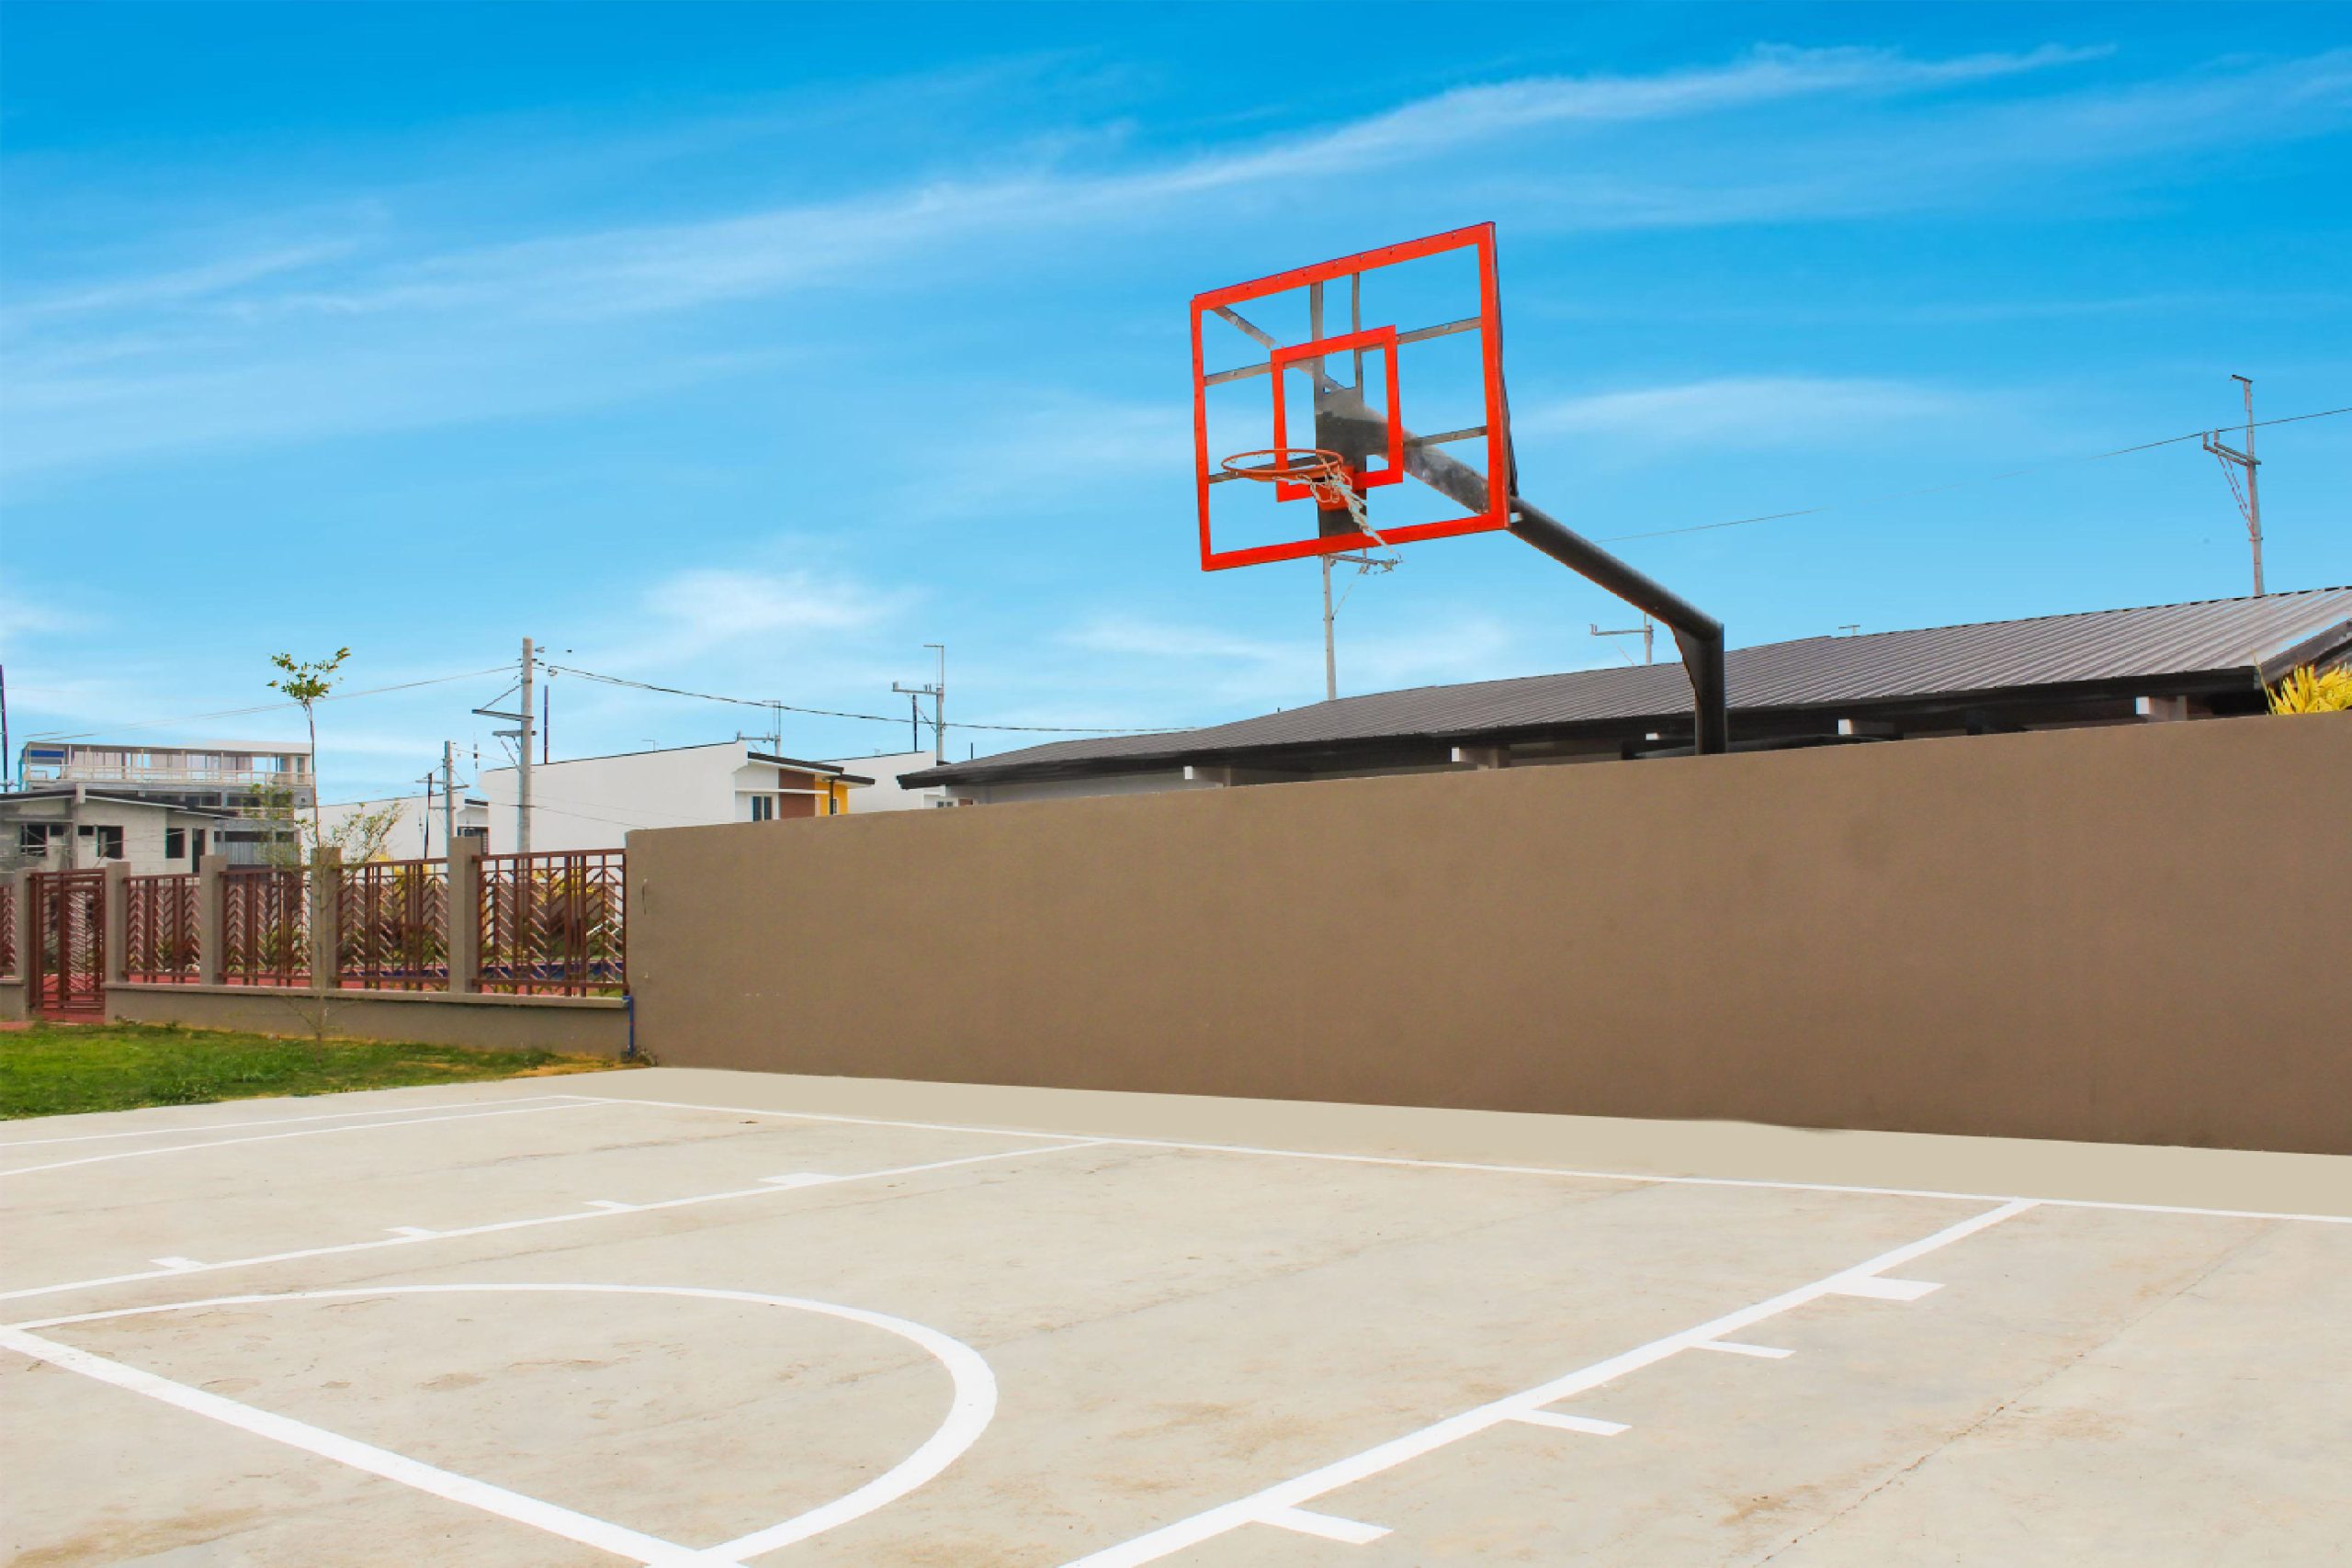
(47, 1071)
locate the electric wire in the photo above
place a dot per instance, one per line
(267, 707)
(837, 712)
(1961, 484)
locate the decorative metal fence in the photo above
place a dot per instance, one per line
(265, 926)
(554, 924)
(160, 934)
(65, 950)
(392, 925)
(8, 931)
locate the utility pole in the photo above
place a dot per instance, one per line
(449, 797)
(424, 819)
(1363, 563)
(2249, 499)
(937, 693)
(521, 735)
(523, 772)
(1646, 631)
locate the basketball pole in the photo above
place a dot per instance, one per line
(1698, 636)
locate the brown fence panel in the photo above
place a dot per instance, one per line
(160, 929)
(7, 930)
(555, 924)
(265, 926)
(392, 926)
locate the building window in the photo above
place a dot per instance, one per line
(763, 809)
(109, 843)
(32, 838)
(174, 842)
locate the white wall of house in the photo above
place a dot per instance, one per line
(592, 803)
(885, 794)
(78, 836)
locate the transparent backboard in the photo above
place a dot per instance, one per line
(1392, 359)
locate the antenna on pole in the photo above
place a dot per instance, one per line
(2249, 496)
(1646, 631)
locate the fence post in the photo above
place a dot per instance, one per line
(18, 912)
(326, 921)
(115, 939)
(465, 915)
(211, 921)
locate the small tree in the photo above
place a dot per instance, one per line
(360, 837)
(307, 681)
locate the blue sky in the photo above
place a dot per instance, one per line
(743, 348)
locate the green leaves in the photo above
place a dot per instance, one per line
(307, 680)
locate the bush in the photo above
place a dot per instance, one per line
(2310, 691)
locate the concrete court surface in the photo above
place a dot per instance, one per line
(786, 1321)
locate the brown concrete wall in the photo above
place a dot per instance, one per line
(2133, 934)
(585, 1026)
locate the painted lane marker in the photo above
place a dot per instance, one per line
(307, 1132)
(1330, 1526)
(1734, 1347)
(609, 1206)
(1887, 1289)
(173, 1129)
(1171, 1539)
(416, 1232)
(178, 1265)
(1489, 1169)
(799, 1179)
(1584, 1424)
(612, 1538)
(568, 1218)
(972, 1405)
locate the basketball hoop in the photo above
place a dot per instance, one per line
(1324, 473)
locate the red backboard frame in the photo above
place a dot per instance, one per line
(1479, 238)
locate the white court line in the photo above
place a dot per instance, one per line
(1585, 1424)
(1509, 1169)
(970, 1410)
(307, 1132)
(1734, 1347)
(1888, 1289)
(1289, 1495)
(1330, 1526)
(167, 1132)
(612, 1538)
(764, 1190)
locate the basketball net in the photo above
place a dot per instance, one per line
(1325, 474)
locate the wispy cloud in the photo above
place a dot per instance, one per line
(376, 325)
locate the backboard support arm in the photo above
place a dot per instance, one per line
(1698, 635)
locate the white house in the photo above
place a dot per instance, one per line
(886, 793)
(591, 802)
(74, 827)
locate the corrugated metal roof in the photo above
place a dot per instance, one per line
(2209, 638)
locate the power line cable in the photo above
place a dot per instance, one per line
(268, 707)
(1955, 484)
(837, 712)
